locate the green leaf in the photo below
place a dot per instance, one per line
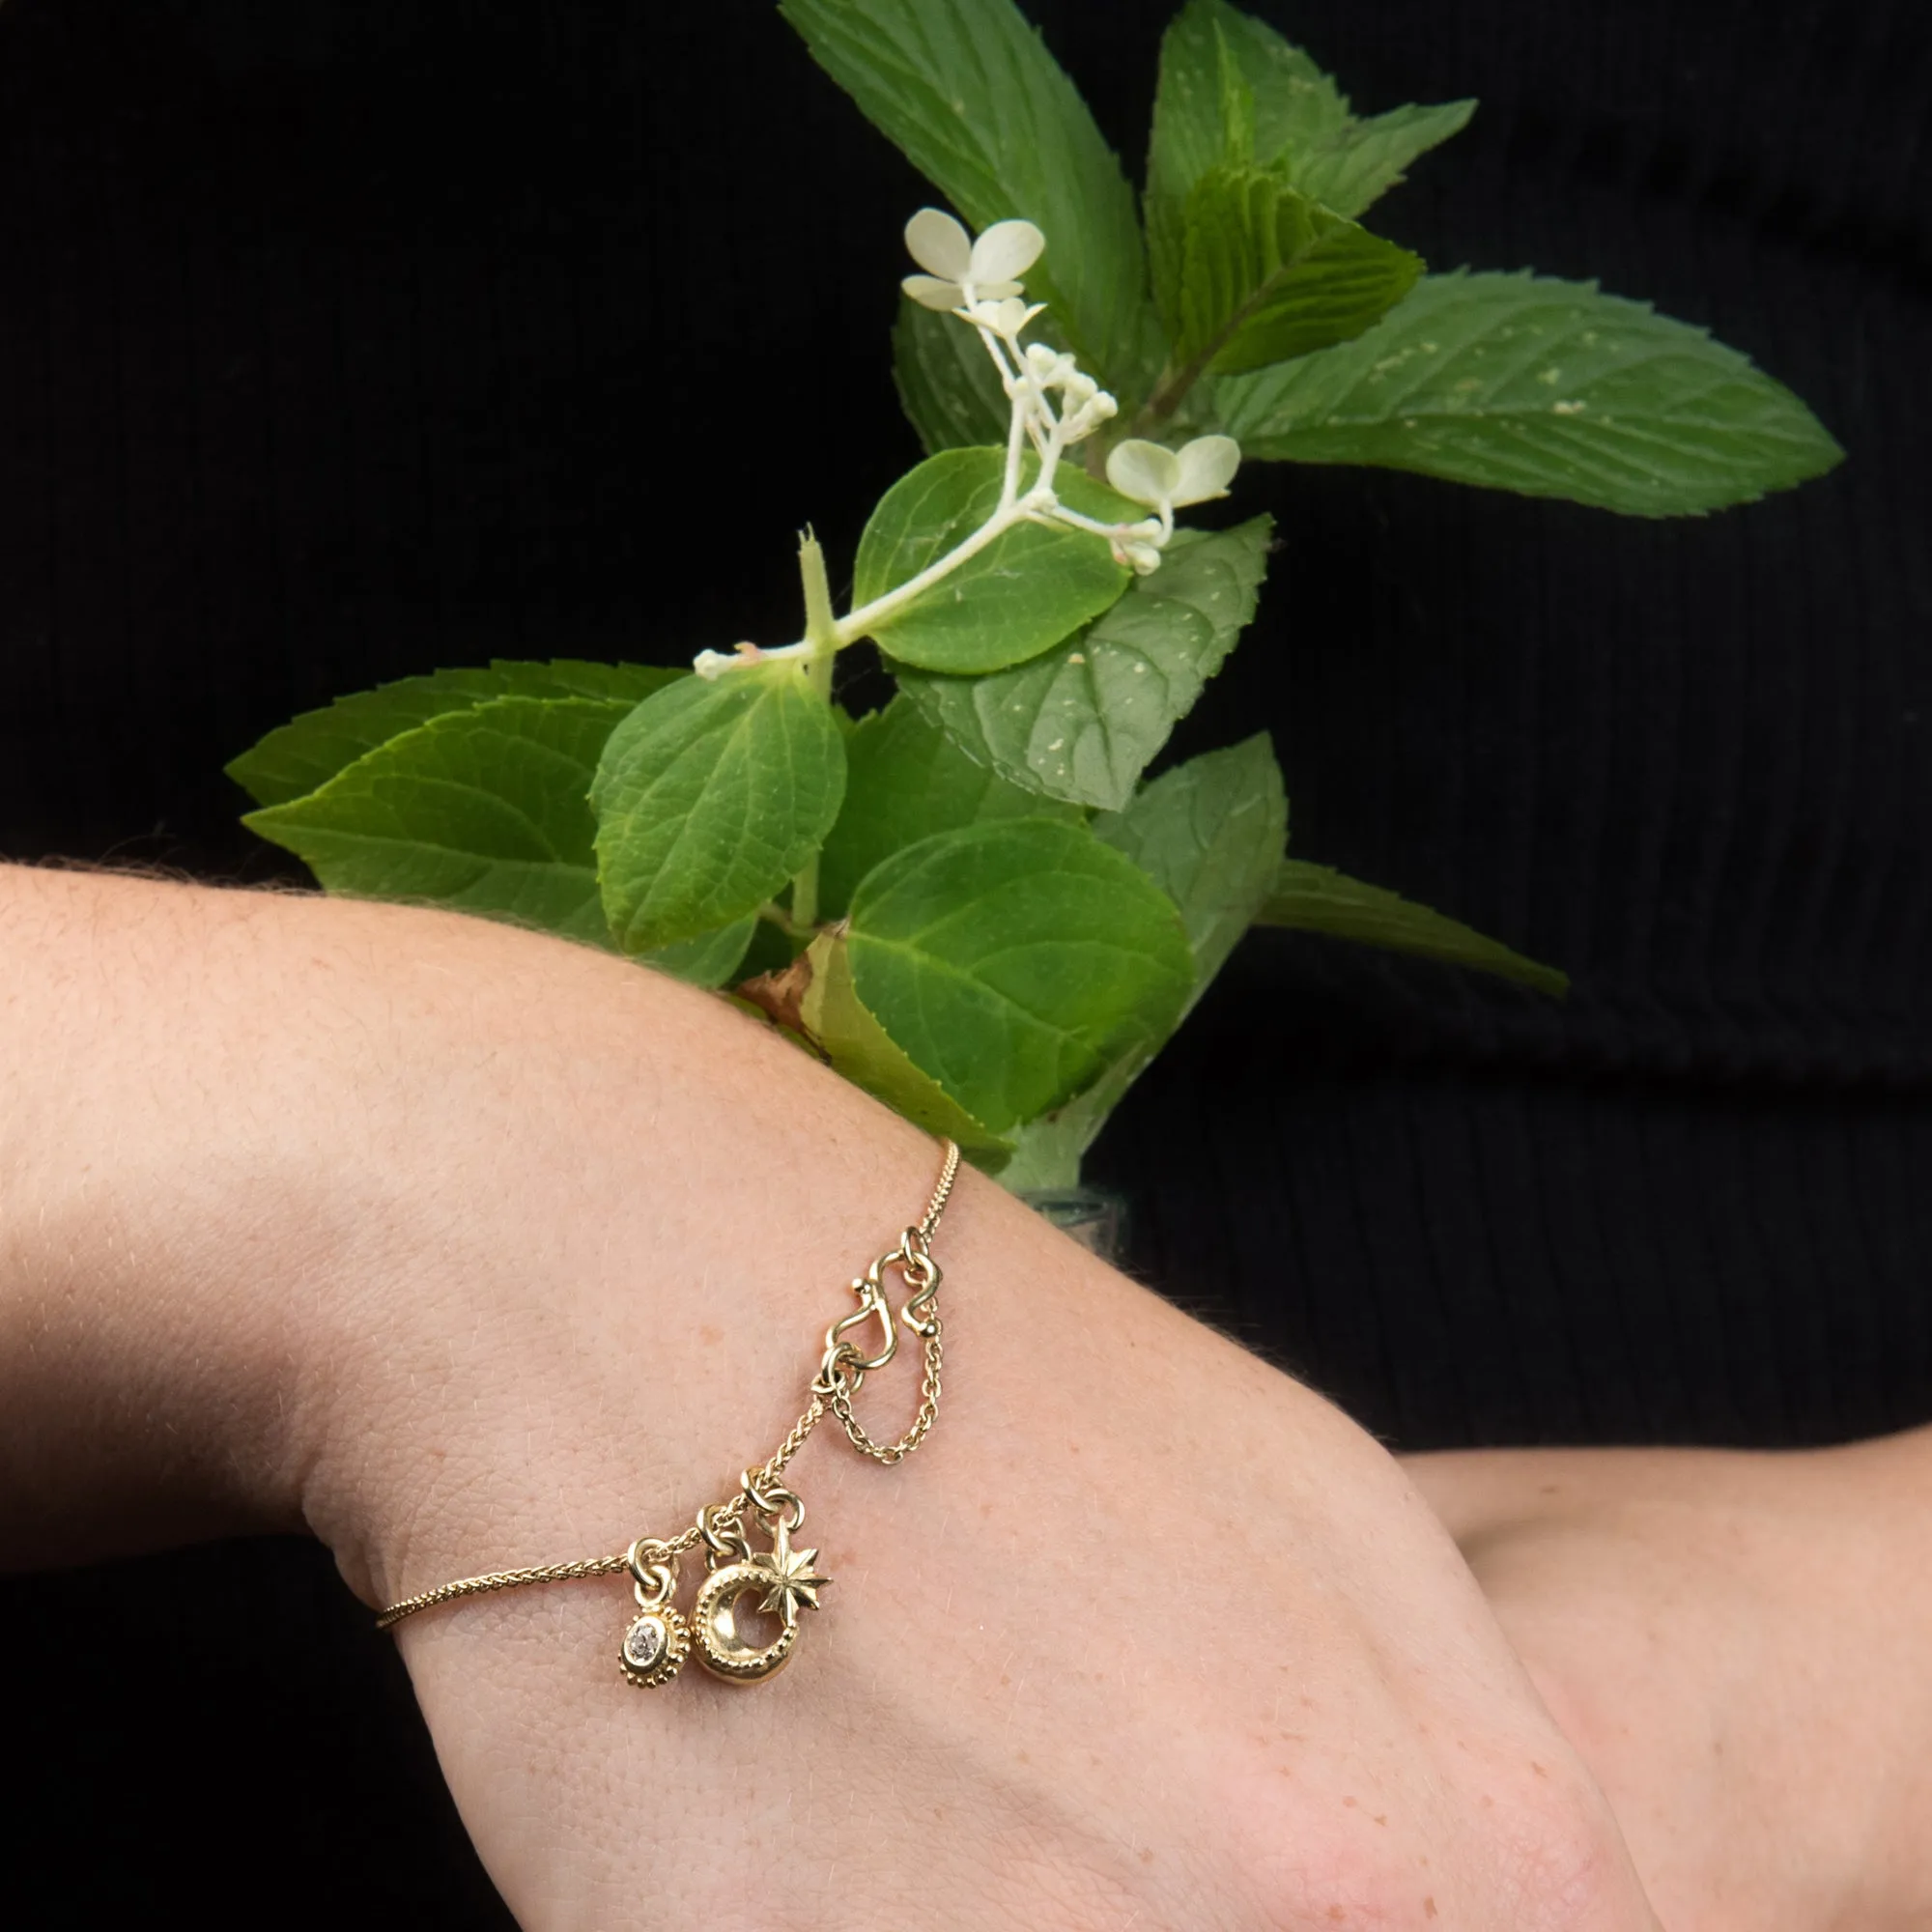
(904, 781)
(946, 383)
(1025, 591)
(1203, 119)
(708, 798)
(310, 750)
(968, 92)
(1268, 273)
(1081, 722)
(483, 809)
(859, 1048)
(1210, 834)
(1233, 91)
(1295, 108)
(1544, 387)
(1317, 898)
(1048, 1151)
(708, 960)
(1013, 962)
(1357, 166)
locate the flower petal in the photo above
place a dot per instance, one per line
(1006, 251)
(939, 244)
(1208, 465)
(1144, 472)
(1005, 317)
(1078, 422)
(929, 292)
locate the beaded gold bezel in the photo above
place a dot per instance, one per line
(667, 1658)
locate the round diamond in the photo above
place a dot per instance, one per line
(644, 1642)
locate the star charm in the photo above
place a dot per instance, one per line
(794, 1578)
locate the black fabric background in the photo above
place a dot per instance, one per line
(342, 341)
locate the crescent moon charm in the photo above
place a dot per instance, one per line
(721, 1648)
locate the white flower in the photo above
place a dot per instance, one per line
(1167, 480)
(1051, 368)
(961, 270)
(1093, 411)
(1138, 546)
(1056, 369)
(1006, 318)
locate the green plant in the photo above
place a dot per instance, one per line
(973, 902)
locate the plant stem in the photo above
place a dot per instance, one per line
(822, 637)
(858, 622)
(821, 627)
(1170, 391)
(826, 634)
(1171, 387)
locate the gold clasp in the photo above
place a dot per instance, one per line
(921, 1273)
(843, 1359)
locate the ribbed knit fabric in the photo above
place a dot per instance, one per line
(339, 342)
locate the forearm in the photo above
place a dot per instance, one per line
(173, 1218)
(1852, 1523)
(258, 1147)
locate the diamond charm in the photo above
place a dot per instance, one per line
(644, 1642)
(655, 1647)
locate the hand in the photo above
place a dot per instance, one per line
(496, 1251)
(1741, 1647)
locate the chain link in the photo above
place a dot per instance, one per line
(890, 1453)
(835, 1384)
(942, 1193)
(502, 1579)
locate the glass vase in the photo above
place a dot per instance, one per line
(1096, 1217)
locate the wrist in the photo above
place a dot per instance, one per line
(602, 1275)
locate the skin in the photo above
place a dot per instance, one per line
(1738, 1644)
(467, 1248)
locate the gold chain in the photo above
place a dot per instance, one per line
(500, 1579)
(888, 1453)
(658, 1640)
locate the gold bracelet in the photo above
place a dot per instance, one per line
(783, 1578)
